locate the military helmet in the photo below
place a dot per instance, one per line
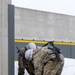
(28, 54)
(31, 46)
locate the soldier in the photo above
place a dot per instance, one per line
(48, 61)
(41, 60)
(24, 59)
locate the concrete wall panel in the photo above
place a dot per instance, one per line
(4, 36)
(40, 25)
(0, 37)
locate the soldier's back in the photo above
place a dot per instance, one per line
(45, 62)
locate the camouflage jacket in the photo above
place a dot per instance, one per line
(45, 62)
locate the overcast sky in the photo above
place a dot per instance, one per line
(56, 6)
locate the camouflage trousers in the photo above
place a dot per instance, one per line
(52, 68)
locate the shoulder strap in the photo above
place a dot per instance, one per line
(51, 43)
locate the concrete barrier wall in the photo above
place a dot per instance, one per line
(40, 25)
(4, 36)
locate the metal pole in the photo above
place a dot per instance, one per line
(10, 39)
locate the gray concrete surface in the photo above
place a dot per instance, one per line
(40, 25)
(4, 36)
(0, 37)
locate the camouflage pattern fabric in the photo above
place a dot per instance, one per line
(24, 64)
(45, 62)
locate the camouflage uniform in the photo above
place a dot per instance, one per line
(45, 62)
(24, 64)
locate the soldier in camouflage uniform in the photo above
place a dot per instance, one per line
(46, 62)
(24, 64)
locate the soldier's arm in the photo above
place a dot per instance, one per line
(20, 63)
